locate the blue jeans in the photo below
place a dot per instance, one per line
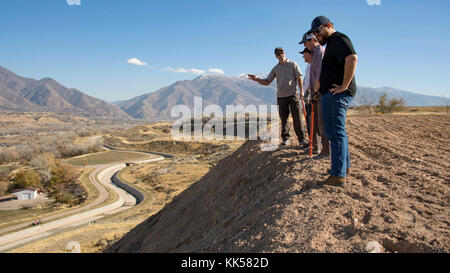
(334, 109)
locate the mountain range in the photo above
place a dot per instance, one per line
(222, 91)
(217, 90)
(22, 94)
(47, 95)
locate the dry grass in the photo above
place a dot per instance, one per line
(19, 216)
(407, 110)
(106, 157)
(173, 179)
(15, 217)
(83, 140)
(159, 181)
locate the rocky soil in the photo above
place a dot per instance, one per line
(397, 194)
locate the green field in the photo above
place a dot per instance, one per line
(108, 157)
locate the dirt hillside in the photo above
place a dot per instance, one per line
(252, 201)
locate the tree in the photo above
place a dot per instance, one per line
(386, 106)
(446, 102)
(4, 183)
(26, 179)
(367, 100)
(43, 161)
(63, 174)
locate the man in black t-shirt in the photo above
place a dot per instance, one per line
(338, 87)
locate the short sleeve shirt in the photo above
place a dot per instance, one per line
(306, 78)
(338, 48)
(287, 75)
(316, 66)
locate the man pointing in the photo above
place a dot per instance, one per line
(288, 74)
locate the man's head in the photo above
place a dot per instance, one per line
(306, 55)
(309, 40)
(312, 42)
(279, 53)
(322, 28)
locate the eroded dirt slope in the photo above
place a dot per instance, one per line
(397, 194)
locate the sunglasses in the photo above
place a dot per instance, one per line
(318, 30)
(279, 53)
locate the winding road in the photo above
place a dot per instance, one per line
(100, 178)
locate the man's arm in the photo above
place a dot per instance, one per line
(300, 85)
(351, 62)
(317, 86)
(260, 81)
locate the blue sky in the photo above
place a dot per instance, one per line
(401, 43)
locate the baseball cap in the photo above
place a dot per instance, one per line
(306, 37)
(278, 49)
(317, 22)
(305, 50)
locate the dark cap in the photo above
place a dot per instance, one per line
(306, 37)
(317, 22)
(278, 49)
(305, 50)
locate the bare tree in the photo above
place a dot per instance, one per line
(367, 100)
(446, 102)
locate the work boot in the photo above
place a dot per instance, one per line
(334, 181)
(329, 170)
(303, 143)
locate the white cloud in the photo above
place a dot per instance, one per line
(136, 61)
(177, 70)
(373, 2)
(73, 2)
(197, 71)
(216, 71)
(184, 70)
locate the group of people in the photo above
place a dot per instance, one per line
(327, 91)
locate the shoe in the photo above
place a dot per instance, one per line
(315, 151)
(303, 143)
(320, 156)
(324, 154)
(329, 170)
(284, 142)
(334, 181)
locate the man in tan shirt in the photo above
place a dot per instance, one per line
(288, 75)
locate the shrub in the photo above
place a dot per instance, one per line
(25, 179)
(3, 188)
(43, 161)
(63, 173)
(66, 198)
(8, 155)
(386, 106)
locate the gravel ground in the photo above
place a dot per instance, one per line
(397, 194)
